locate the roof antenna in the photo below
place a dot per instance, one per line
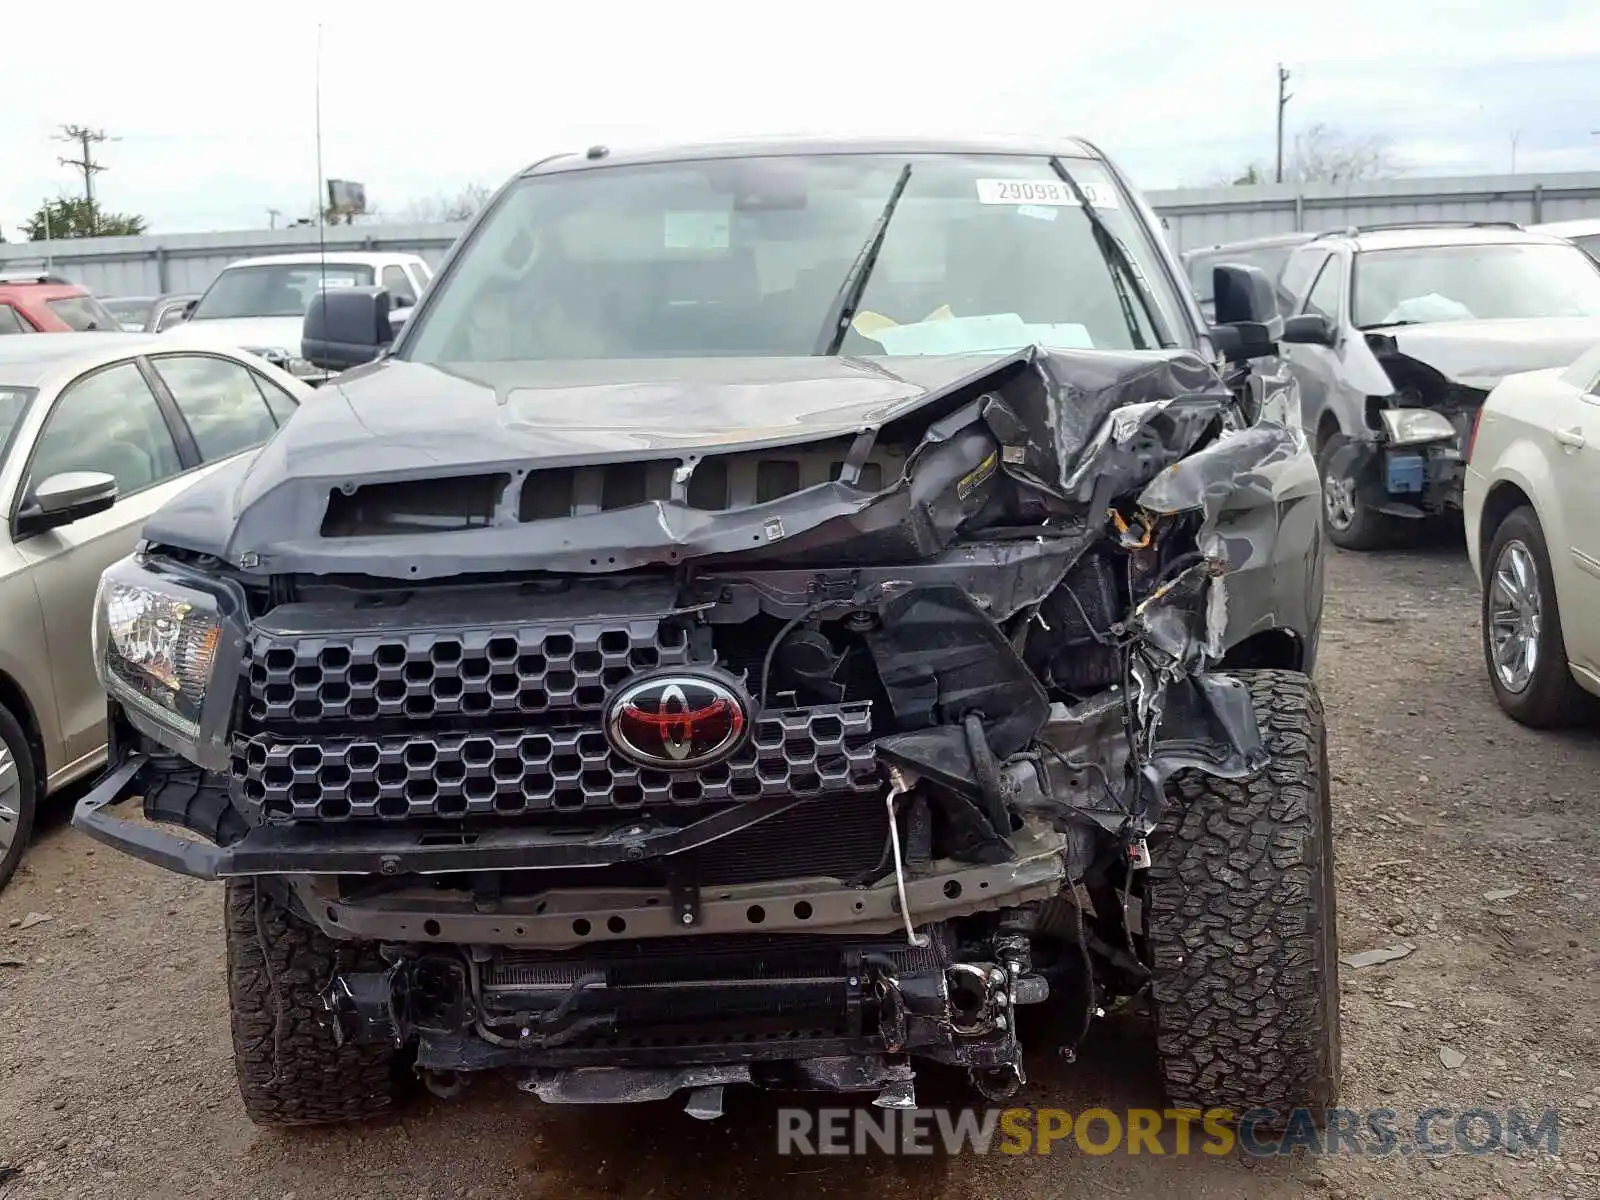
(322, 215)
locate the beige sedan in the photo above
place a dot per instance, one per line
(97, 431)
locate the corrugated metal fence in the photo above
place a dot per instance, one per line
(182, 262)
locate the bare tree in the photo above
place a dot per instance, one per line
(442, 206)
(1322, 154)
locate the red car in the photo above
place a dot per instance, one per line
(49, 304)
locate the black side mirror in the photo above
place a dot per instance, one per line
(1244, 340)
(1246, 312)
(65, 498)
(345, 327)
(1242, 293)
(1309, 329)
(188, 308)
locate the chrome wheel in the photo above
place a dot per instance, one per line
(10, 799)
(1339, 502)
(1515, 617)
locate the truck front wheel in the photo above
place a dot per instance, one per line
(1239, 918)
(291, 1069)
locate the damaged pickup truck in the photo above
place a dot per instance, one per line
(777, 615)
(1397, 334)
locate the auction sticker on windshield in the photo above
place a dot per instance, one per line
(1042, 191)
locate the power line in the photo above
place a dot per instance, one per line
(1284, 96)
(84, 137)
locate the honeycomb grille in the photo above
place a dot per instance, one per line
(794, 752)
(327, 680)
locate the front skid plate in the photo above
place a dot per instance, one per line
(571, 917)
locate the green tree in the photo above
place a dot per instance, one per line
(73, 217)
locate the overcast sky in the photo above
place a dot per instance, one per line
(214, 104)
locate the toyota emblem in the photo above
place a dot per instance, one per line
(677, 722)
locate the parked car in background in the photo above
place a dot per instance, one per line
(46, 303)
(1584, 233)
(1532, 504)
(1266, 254)
(259, 304)
(1398, 332)
(97, 431)
(150, 314)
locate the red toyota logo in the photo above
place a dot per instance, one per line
(676, 722)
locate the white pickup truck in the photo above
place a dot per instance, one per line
(259, 304)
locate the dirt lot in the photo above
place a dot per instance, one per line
(115, 1076)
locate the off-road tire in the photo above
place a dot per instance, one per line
(1239, 907)
(1552, 698)
(291, 1071)
(26, 797)
(1369, 529)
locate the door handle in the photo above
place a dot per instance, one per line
(1572, 439)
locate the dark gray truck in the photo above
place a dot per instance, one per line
(773, 614)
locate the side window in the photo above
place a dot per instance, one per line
(399, 285)
(282, 404)
(1295, 281)
(83, 313)
(10, 322)
(108, 421)
(219, 402)
(1324, 297)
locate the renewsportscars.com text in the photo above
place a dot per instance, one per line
(1375, 1133)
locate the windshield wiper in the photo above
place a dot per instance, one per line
(1122, 267)
(843, 309)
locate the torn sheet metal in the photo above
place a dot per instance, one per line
(1085, 423)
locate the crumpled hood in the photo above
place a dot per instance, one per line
(1480, 354)
(491, 458)
(397, 416)
(247, 333)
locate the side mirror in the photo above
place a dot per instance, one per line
(65, 498)
(345, 327)
(1309, 329)
(1246, 312)
(1242, 293)
(188, 308)
(1244, 340)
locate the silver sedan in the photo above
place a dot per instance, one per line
(97, 431)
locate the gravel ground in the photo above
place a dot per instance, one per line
(1460, 835)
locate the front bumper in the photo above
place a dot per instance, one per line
(314, 855)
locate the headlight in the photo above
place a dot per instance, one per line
(1414, 426)
(155, 648)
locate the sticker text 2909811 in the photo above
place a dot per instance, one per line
(1041, 191)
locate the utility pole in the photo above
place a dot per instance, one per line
(1284, 96)
(84, 138)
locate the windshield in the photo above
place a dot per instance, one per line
(13, 403)
(747, 258)
(130, 313)
(1464, 283)
(274, 289)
